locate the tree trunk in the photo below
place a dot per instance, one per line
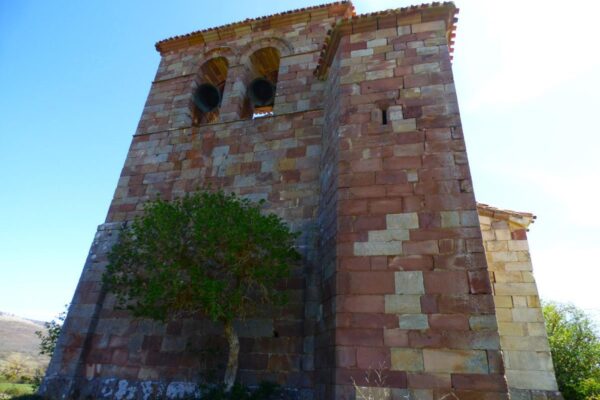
(232, 361)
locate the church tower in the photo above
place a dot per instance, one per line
(348, 126)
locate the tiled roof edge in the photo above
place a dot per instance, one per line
(520, 218)
(361, 23)
(200, 36)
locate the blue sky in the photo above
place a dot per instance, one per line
(74, 77)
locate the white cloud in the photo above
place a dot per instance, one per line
(525, 48)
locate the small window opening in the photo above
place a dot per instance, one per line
(208, 93)
(384, 116)
(260, 93)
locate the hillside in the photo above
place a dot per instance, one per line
(17, 335)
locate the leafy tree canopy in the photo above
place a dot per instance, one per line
(575, 347)
(210, 254)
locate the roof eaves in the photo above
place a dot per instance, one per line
(211, 34)
(519, 218)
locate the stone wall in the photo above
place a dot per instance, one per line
(274, 158)
(364, 156)
(328, 229)
(413, 291)
(523, 338)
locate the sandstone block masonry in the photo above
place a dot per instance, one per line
(362, 151)
(527, 358)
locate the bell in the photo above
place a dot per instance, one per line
(261, 92)
(207, 97)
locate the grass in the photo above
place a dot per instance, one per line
(15, 389)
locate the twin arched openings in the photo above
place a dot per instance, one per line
(259, 81)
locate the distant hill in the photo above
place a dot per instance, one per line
(17, 335)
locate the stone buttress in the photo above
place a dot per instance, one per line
(362, 151)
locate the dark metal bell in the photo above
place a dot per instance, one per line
(261, 92)
(207, 97)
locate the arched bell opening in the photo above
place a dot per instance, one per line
(260, 91)
(208, 91)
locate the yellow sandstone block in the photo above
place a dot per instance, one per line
(520, 301)
(536, 329)
(287, 164)
(465, 361)
(528, 360)
(429, 26)
(524, 343)
(511, 329)
(503, 301)
(405, 125)
(515, 289)
(527, 276)
(504, 315)
(527, 315)
(533, 301)
(518, 266)
(518, 245)
(538, 380)
(510, 276)
(497, 245)
(503, 256)
(503, 234)
(407, 359)
(488, 235)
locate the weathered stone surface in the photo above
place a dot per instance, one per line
(413, 321)
(467, 361)
(525, 379)
(363, 156)
(404, 221)
(409, 282)
(402, 304)
(520, 321)
(407, 359)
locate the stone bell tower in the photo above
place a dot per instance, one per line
(348, 126)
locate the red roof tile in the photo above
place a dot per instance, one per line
(524, 218)
(201, 36)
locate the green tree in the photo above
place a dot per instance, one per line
(575, 350)
(15, 367)
(209, 254)
(49, 338)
